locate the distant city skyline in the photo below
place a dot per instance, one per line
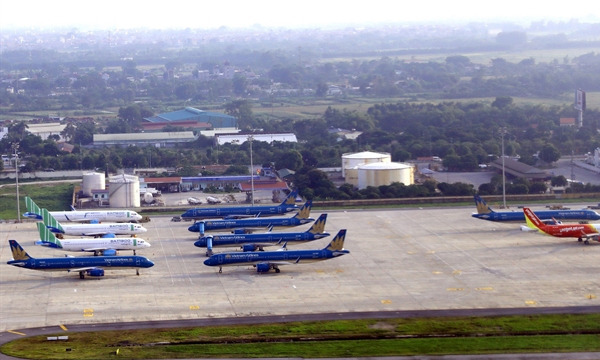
(178, 14)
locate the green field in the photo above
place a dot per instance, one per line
(55, 196)
(322, 339)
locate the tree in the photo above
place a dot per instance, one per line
(549, 153)
(242, 111)
(291, 160)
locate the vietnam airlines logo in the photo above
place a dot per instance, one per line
(305, 211)
(482, 208)
(319, 226)
(290, 200)
(338, 242)
(18, 252)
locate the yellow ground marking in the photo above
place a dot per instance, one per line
(530, 302)
(437, 272)
(590, 296)
(63, 327)
(431, 252)
(454, 289)
(486, 288)
(15, 332)
(386, 301)
(88, 312)
(456, 272)
(194, 307)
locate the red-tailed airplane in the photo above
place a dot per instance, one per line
(583, 232)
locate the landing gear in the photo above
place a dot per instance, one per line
(220, 270)
(81, 275)
(276, 269)
(579, 240)
(137, 272)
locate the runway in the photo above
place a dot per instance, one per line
(400, 260)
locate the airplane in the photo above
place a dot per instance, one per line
(253, 242)
(579, 231)
(91, 265)
(34, 212)
(267, 260)
(99, 246)
(104, 229)
(289, 204)
(484, 212)
(244, 225)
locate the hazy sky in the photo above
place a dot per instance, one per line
(109, 14)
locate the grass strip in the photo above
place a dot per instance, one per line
(369, 337)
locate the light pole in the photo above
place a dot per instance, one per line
(250, 138)
(15, 149)
(503, 132)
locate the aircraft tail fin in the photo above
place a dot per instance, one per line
(533, 221)
(18, 252)
(337, 244)
(304, 212)
(47, 236)
(290, 200)
(482, 206)
(50, 221)
(318, 226)
(32, 206)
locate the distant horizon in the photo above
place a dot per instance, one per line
(270, 14)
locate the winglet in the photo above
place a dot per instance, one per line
(18, 252)
(304, 212)
(50, 221)
(337, 243)
(533, 221)
(482, 206)
(319, 226)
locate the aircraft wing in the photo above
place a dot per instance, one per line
(85, 269)
(280, 262)
(95, 249)
(96, 233)
(591, 236)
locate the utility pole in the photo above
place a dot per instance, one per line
(250, 138)
(503, 132)
(15, 149)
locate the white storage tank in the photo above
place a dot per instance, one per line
(352, 160)
(384, 173)
(124, 191)
(92, 181)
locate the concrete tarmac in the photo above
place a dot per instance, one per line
(400, 259)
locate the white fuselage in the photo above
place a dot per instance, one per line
(103, 229)
(100, 244)
(96, 215)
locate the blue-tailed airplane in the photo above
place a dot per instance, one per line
(246, 225)
(267, 260)
(90, 265)
(289, 204)
(34, 212)
(253, 242)
(484, 212)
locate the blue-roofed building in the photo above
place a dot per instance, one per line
(216, 120)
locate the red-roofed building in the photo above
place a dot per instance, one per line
(567, 121)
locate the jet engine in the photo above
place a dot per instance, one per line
(96, 272)
(249, 247)
(262, 268)
(110, 252)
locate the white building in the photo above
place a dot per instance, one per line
(242, 138)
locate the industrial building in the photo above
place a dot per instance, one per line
(368, 168)
(157, 139)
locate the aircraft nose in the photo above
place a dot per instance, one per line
(209, 261)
